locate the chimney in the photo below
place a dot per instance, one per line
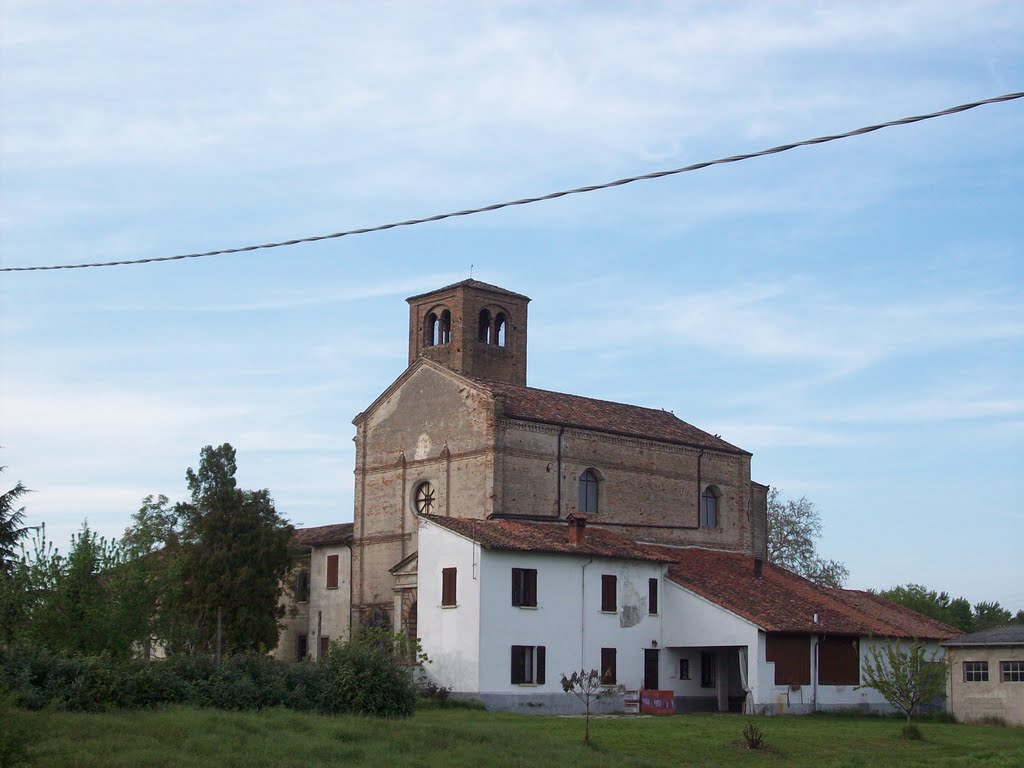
(758, 567)
(577, 526)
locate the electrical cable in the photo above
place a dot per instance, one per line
(539, 198)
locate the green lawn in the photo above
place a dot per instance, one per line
(453, 737)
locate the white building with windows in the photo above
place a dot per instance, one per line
(513, 605)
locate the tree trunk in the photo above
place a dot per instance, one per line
(586, 728)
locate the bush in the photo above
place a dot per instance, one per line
(367, 676)
(16, 734)
(753, 737)
(911, 733)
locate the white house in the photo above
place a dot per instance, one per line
(506, 607)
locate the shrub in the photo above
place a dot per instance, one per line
(366, 676)
(16, 734)
(753, 737)
(911, 733)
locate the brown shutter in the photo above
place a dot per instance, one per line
(541, 654)
(608, 672)
(530, 587)
(608, 593)
(517, 665)
(792, 657)
(448, 584)
(838, 661)
(652, 595)
(517, 586)
(332, 571)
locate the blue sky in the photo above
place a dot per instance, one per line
(851, 313)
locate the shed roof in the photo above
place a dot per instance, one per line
(782, 601)
(1011, 634)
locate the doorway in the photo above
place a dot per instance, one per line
(651, 669)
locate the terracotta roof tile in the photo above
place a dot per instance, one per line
(470, 283)
(339, 533)
(781, 601)
(522, 536)
(531, 404)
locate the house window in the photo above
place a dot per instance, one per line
(708, 663)
(424, 499)
(332, 571)
(709, 507)
(652, 597)
(302, 586)
(1011, 671)
(608, 589)
(588, 493)
(608, 673)
(684, 669)
(325, 646)
(524, 587)
(301, 647)
(448, 577)
(445, 330)
(838, 661)
(528, 664)
(975, 671)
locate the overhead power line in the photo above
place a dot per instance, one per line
(539, 198)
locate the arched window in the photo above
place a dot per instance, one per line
(500, 328)
(484, 329)
(588, 493)
(431, 330)
(445, 332)
(709, 507)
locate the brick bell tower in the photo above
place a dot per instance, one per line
(471, 327)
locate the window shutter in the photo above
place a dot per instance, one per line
(652, 595)
(541, 653)
(608, 593)
(448, 582)
(332, 571)
(517, 664)
(517, 586)
(530, 587)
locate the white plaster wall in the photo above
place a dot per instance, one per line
(567, 620)
(450, 636)
(329, 608)
(693, 624)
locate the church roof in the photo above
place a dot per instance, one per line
(781, 601)
(552, 538)
(470, 283)
(321, 535)
(531, 404)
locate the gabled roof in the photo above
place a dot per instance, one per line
(1011, 634)
(321, 535)
(551, 538)
(470, 283)
(541, 405)
(781, 601)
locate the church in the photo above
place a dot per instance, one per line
(521, 533)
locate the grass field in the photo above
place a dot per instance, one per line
(454, 737)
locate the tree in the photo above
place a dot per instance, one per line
(988, 615)
(906, 676)
(794, 528)
(11, 529)
(587, 687)
(234, 554)
(938, 605)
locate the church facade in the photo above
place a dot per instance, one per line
(459, 434)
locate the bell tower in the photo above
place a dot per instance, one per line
(471, 327)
